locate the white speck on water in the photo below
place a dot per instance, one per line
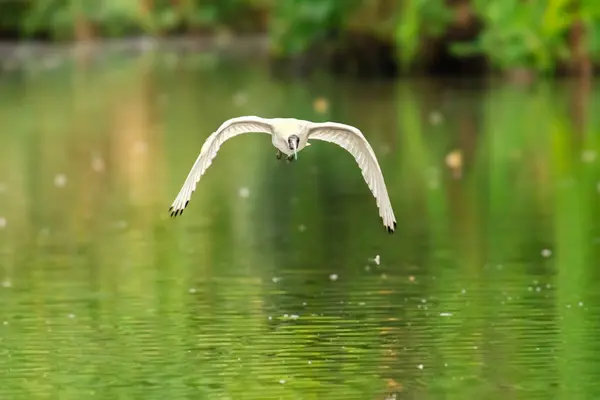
(333, 277)
(120, 224)
(361, 303)
(435, 118)
(140, 147)
(5, 323)
(172, 59)
(71, 316)
(60, 180)
(240, 98)
(463, 291)
(474, 347)
(548, 286)
(282, 381)
(51, 62)
(367, 268)
(7, 283)
(163, 99)
(535, 282)
(309, 362)
(276, 279)
(377, 259)
(304, 303)
(2, 222)
(445, 314)
(546, 253)
(445, 364)
(383, 276)
(538, 289)
(192, 290)
(301, 227)
(432, 177)
(568, 306)
(44, 232)
(270, 318)
(580, 304)
(530, 289)
(244, 192)
(588, 156)
(97, 164)
(146, 44)
(420, 366)
(423, 300)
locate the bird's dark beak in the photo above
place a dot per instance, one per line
(293, 142)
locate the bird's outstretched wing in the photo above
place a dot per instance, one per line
(352, 139)
(229, 129)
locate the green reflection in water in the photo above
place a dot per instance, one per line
(265, 287)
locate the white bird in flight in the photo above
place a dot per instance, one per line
(289, 136)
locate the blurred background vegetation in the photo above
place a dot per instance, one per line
(360, 36)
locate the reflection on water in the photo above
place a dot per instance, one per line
(267, 286)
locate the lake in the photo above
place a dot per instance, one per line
(279, 281)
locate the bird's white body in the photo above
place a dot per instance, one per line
(289, 136)
(283, 128)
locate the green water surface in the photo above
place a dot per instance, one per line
(266, 287)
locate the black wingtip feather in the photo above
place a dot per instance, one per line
(175, 213)
(390, 229)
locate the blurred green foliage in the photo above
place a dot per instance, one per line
(521, 34)
(428, 18)
(590, 16)
(535, 34)
(296, 24)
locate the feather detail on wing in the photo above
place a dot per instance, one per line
(352, 140)
(229, 129)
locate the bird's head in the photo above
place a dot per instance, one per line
(293, 142)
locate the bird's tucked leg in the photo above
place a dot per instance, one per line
(290, 158)
(279, 154)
